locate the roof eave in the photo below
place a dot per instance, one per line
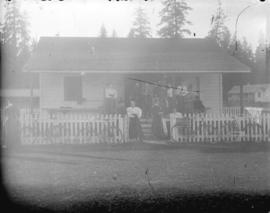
(137, 71)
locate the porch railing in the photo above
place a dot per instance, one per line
(232, 111)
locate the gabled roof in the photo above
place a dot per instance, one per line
(74, 54)
(250, 88)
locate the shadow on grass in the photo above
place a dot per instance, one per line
(166, 200)
(249, 147)
(42, 159)
(217, 202)
(83, 150)
(70, 154)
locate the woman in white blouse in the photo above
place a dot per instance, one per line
(134, 113)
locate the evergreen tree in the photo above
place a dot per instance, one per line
(267, 63)
(219, 31)
(260, 52)
(173, 19)
(103, 32)
(114, 34)
(245, 54)
(141, 26)
(131, 34)
(260, 58)
(15, 32)
(16, 42)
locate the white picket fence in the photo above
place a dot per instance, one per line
(41, 127)
(215, 128)
(72, 128)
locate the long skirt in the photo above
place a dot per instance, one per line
(12, 133)
(157, 127)
(135, 129)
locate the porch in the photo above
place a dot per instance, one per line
(86, 92)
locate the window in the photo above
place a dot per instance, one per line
(73, 88)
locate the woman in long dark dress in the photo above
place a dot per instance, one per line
(134, 113)
(11, 126)
(198, 105)
(157, 127)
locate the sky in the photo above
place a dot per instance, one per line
(85, 17)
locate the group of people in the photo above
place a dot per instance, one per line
(156, 103)
(168, 98)
(161, 107)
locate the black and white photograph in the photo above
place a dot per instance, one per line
(135, 105)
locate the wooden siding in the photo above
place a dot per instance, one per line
(211, 91)
(52, 90)
(51, 93)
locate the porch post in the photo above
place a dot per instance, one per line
(241, 99)
(32, 92)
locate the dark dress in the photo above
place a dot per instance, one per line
(11, 127)
(110, 105)
(135, 129)
(148, 103)
(157, 127)
(198, 106)
(171, 104)
(189, 103)
(180, 103)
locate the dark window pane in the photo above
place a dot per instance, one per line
(72, 88)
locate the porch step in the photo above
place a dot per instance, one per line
(145, 120)
(147, 129)
(146, 126)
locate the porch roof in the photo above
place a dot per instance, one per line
(84, 54)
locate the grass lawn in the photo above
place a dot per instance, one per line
(139, 177)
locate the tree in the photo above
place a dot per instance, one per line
(16, 42)
(244, 53)
(219, 31)
(114, 34)
(173, 19)
(131, 34)
(141, 25)
(15, 30)
(260, 56)
(267, 63)
(103, 32)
